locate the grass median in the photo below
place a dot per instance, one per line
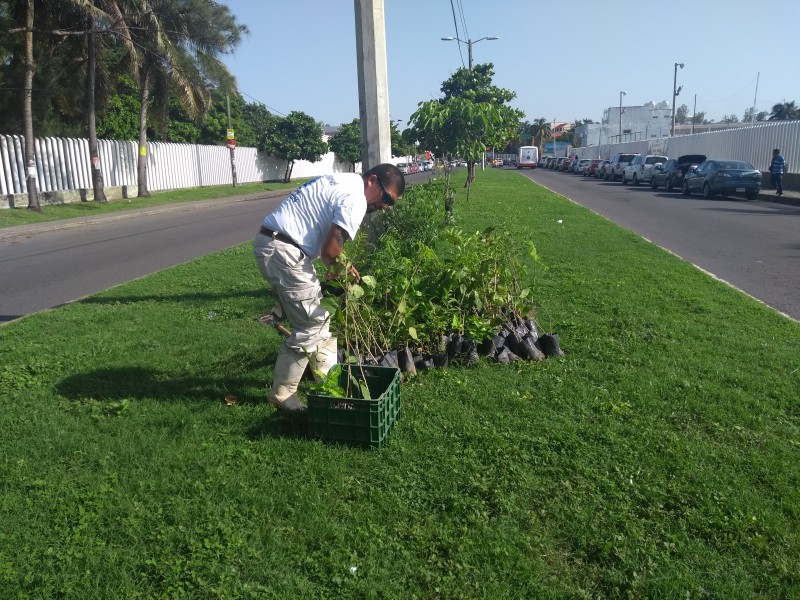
(657, 458)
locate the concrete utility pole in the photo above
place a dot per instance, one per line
(373, 88)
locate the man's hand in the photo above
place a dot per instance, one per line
(352, 271)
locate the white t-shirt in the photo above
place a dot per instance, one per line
(307, 214)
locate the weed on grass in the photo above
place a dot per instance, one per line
(657, 458)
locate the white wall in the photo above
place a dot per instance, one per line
(62, 165)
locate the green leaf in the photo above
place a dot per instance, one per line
(412, 331)
(369, 281)
(330, 304)
(354, 292)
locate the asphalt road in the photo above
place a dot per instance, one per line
(752, 245)
(43, 268)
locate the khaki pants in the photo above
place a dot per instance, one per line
(291, 275)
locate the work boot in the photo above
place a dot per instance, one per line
(325, 358)
(289, 369)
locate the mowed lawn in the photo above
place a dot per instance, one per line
(657, 459)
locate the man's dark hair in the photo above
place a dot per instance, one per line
(390, 176)
(776, 151)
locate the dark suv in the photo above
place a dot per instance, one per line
(672, 172)
(614, 168)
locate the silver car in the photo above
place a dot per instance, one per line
(641, 168)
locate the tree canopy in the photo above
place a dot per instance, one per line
(346, 143)
(785, 111)
(470, 116)
(291, 138)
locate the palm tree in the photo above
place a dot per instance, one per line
(540, 130)
(785, 111)
(179, 42)
(110, 13)
(27, 112)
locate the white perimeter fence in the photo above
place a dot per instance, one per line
(753, 144)
(63, 168)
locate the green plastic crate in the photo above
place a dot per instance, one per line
(356, 421)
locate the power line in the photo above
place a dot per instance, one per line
(262, 103)
(455, 25)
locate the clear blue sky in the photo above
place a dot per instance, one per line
(564, 60)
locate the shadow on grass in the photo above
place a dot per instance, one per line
(199, 297)
(276, 425)
(114, 384)
(117, 383)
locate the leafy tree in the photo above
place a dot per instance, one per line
(730, 119)
(119, 119)
(215, 124)
(540, 131)
(259, 122)
(401, 146)
(292, 138)
(346, 143)
(699, 118)
(785, 111)
(476, 84)
(682, 114)
(460, 127)
(471, 116)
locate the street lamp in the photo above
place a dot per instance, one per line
(675, 92)
(469, 44)
(621, 94)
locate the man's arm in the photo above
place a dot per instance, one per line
(333, 245)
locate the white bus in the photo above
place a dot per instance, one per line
(528, 157)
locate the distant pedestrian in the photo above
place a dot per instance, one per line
(776, 170)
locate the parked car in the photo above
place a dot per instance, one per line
(724, 177)
(565, 165)
(404, 168)
(497, 162)
(613, 169)
(598, 173)
(640, 168)
(591, 170)
(583, 166)
(671, 173)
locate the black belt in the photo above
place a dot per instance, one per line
(281, 237)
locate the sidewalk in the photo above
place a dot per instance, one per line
(789, 196)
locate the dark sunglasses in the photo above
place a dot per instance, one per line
(387, 199)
